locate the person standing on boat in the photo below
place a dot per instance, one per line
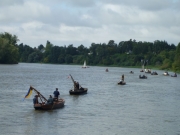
(56, 93)
(76, 85)
(123, 78)
(35, 99)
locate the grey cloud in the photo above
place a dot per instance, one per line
(152, 5)
(4, 3)
(81, 3)
(85, 21)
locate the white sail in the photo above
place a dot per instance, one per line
(84, 66)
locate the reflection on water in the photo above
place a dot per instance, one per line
(143, 106)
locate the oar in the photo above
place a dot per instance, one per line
(52, 106)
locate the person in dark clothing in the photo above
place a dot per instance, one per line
(35, 99)
(56, 93)
(123, 77)
(77, 85)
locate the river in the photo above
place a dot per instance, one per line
(141, 107)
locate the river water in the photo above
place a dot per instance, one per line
(142, 107)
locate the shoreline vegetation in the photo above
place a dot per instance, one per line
(158, 54)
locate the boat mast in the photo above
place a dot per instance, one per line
(73, 81)
(39, 94)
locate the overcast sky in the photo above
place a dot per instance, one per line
(65, 22)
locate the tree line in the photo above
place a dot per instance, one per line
(158, 54)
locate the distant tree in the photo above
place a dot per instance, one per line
(40, 47)
(24, 52)
(8, 50)
(71, 50)
(176, 64)
(47, 53)
(61, 59)
(111, 42)
(12, 39)
(81, 50)
(55, 52)
(68, 59)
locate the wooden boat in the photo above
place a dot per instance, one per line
(42, 105)
(166, 73)
(56, 105)
(142, 77)
(175, 75)
(147, 70)
(131, 72)
(121, 83)
(77, 90)
(154, 73)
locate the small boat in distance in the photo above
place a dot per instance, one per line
(147, 70)
(154, 73)
(166, 73)
(144, 62)
(43, 104)
(122, 82)
(84, 66)
(142, 77)
(131, 72)
(175, 75)
(77, 90)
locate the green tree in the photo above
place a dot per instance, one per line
(68, 59)
(12, 39)
(24, 52)
(176, 64)
(47, 53)
(8, 50)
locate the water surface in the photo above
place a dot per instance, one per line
(142, 107)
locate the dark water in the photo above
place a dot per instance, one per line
(142, 107)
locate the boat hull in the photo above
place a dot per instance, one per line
(154, 73)
(121, 83)
(131, 72)
(55, 105)
(78, 92)
(147, 71)
(142, 77)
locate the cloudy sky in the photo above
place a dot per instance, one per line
(65, 22)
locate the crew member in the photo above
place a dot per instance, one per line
(35, 99)
(56, 93)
